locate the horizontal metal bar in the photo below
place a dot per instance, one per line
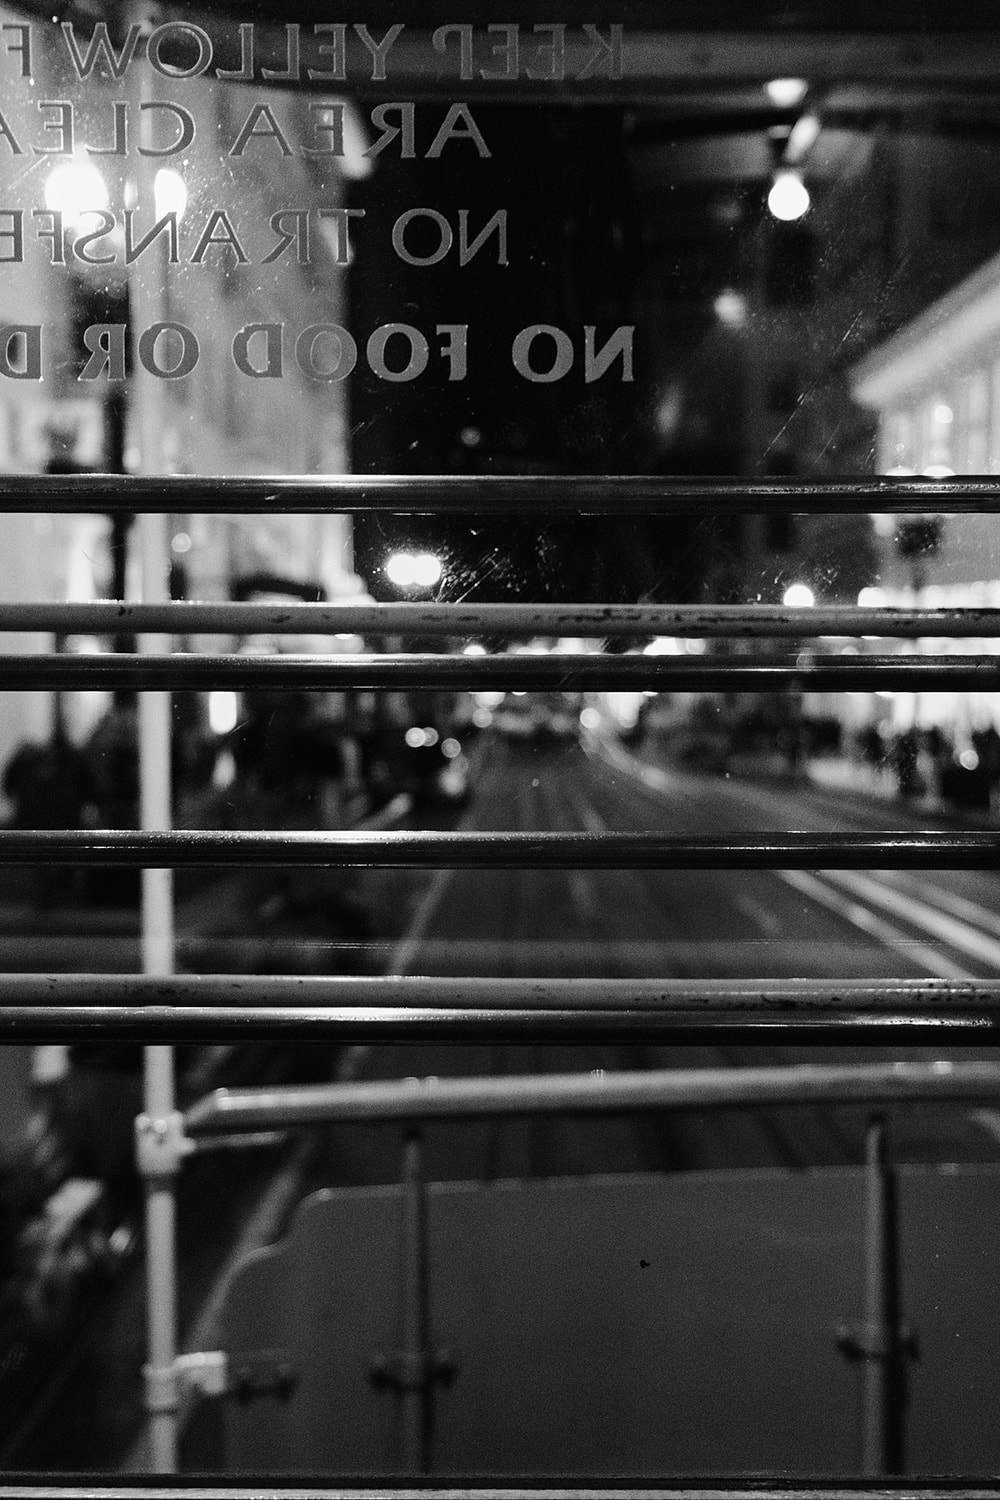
(55, 1487)
(554, 672)
(778, 850)
(203, 1008)
(398, 992)
(184, 617)
(351, 1025)
(590, 1093)
(425, 494)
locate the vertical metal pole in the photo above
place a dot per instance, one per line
(157, 885)
(417, 1385)
(883, 1369)
(160, 1100)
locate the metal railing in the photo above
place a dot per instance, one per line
(555, 672)
(229, 1110)
(26, 1487)
(213, 1007)
(500, 494)
(414, 1371)
(159, 1005)
(187, 617)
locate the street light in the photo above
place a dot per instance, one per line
(408, 570)
(798, 596)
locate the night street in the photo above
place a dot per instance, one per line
(510, 923)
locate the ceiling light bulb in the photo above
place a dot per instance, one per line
(789, 197)
(786, 93)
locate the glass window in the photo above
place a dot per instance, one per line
(252, 242)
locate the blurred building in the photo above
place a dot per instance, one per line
(214, 278)
(935, 387)
(759, 321)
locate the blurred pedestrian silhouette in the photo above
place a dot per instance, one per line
(50, 785)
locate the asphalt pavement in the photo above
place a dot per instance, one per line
(706, 924)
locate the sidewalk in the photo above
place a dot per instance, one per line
(848, 778)
(844, 779)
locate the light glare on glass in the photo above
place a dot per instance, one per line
(730, 308)
(75, 188)
(414, 569)
(169, 193)
(222, 712)
(802, 138)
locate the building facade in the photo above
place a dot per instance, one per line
(97, 235)
(935, 389)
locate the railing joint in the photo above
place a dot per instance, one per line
(161, 1144)
(867, 1341)
(205, 1371)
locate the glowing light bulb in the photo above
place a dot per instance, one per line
(786, 93)
(798, 596)
(427, 570)
(399, 569)
(414, 569)
(789, 197)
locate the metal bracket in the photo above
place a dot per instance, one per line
(262, 1372)
(866, 1341)
(162, 1389)
(161, 1145)
(204, 1372)
(397, 1370)
(248, 1140)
